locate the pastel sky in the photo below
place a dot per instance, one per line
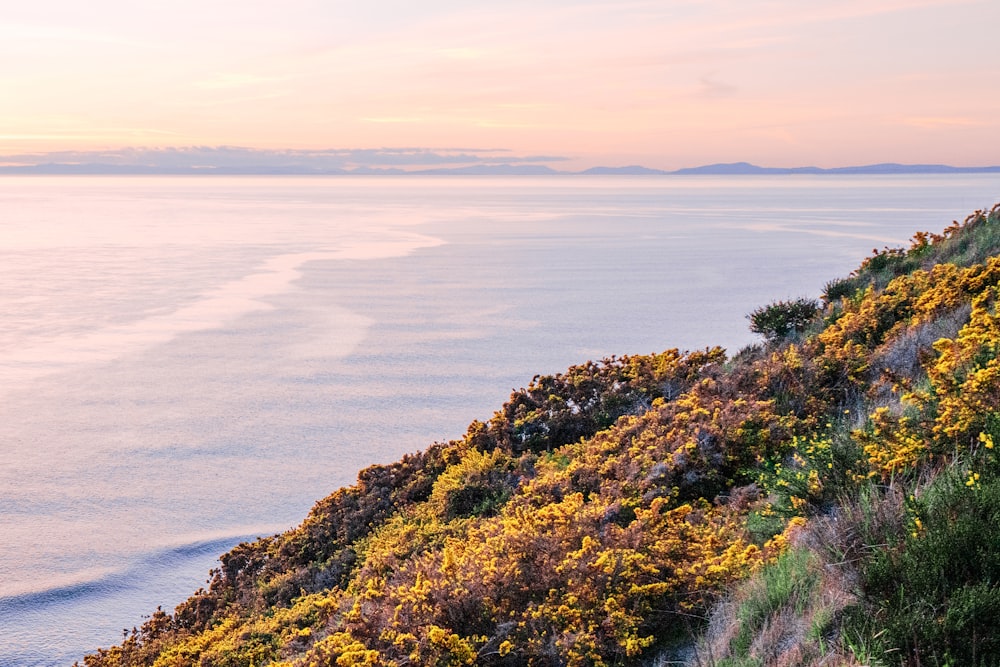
(666, 83)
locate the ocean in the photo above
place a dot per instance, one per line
(189, 362)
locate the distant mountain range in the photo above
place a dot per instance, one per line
(504, 169)
(747, 169)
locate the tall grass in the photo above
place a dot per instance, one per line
(930, 583)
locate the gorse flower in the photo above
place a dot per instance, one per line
(987, 440)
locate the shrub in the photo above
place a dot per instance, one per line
(478, 485)
(779, 320)
(839, 288)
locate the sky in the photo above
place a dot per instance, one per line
(570, 83)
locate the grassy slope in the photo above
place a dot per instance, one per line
(809, 501)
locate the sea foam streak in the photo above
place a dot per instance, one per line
(28, 615)
(101, 581)
(54, 354)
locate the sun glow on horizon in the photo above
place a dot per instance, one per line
(665, 83)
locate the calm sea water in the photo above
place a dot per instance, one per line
(186, 363)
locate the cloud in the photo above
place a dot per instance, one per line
(234, 80)
(711, 87)
(394, 119)
(81, 133)
(936, 122)
(262, 160)
(786, 15)
(40, 32)
(464, 53)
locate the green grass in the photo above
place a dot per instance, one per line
(788, 582)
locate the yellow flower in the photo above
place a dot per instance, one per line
(815, 485)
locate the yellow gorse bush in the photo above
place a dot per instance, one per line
(602, 510)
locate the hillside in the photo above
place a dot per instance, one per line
(830, 496)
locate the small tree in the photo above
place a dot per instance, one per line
(779, 320)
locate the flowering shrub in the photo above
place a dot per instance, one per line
(601, 512)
